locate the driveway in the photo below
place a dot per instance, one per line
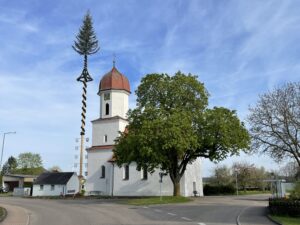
(203, 211)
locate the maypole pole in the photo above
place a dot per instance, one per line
(86, 44)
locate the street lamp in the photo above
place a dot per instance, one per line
(3, 146)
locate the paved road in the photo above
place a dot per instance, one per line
(202, 211)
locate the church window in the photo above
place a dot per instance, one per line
(107, 109)
(126, 172)
(41, 187)
(144, 174)
(105, 138)
(102, 172)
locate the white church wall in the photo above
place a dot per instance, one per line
(135, 186)
(119, 103)
(94, 181)
(105, 127)
(192, 179)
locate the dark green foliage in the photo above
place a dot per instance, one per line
(86, 41)
(284, 207)
(172, 126)
(218, 189)
(9, 166)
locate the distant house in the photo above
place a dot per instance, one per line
(56, 184)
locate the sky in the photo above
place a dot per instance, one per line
(239, 49)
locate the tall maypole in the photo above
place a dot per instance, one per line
(86, 43)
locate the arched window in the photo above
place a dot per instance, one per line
(107, 109)
(102, 172)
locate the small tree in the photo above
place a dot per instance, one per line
(222, 175)
(9, 166)
(171, 127)
(275, 123)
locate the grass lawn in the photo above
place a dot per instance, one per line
(156, 200)
(286, 220)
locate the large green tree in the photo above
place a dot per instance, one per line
(9, 166)
(29, 163)
(172, 126)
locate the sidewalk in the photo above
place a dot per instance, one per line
(15, 215)
(254, 215)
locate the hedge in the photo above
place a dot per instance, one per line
(218, 189)
(284, 207)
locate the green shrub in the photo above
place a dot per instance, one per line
(284, 207)
(218, 189)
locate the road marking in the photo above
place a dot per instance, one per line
(184, 218)
(201, 224)
(157, 210)
(145, 207)
(172, 214)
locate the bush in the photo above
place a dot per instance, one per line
(218, 189)
(284, 207)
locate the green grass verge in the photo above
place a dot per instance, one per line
(156, 200)
(3, 214)
(6, 194)
(286, 220)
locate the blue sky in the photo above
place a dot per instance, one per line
(239, 49)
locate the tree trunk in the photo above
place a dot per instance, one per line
(176, 188)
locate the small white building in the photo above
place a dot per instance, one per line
(104, 176)
(56, 184)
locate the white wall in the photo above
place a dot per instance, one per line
(135, 186)
(72, 185)
(58, 189)
(192, 174)
(105, 127)
(118, 103)
(94, 182)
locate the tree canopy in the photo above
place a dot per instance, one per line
(275, 123)
(86, 41)
(172, 126)
(9, 166)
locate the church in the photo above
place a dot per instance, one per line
(104, 176)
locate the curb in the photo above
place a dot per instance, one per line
(241, 212)
(4, 214)
(274, 221)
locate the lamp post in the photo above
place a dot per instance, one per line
(3, 142)
(236, 182)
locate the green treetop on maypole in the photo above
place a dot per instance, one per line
(86, 43)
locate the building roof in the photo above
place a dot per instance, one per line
(109, 118)
(100, 147)
(54, 178)
(114, 80)
(20, 175)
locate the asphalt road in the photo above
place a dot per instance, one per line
(202, 211)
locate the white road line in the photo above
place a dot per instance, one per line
(184, 218)
(157, 210)
(201, 224)
(145, 207)
(172, 214)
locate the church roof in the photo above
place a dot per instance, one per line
(114, 80)
(100, 147)
(54, 178)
